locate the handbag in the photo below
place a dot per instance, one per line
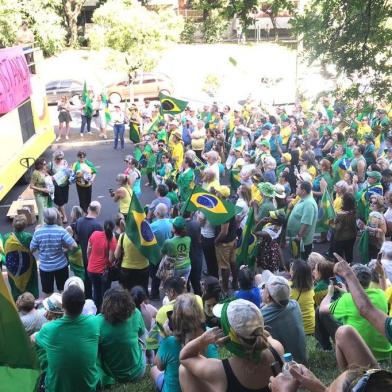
(112, 272)
(166, 268)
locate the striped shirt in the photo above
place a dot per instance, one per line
(49, 240)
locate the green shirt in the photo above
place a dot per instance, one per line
(120, 352)
(179, 248)
(71, 347)
(169, 355)
(344, 310)
(305, 212)
(172, 196)
(184, 182)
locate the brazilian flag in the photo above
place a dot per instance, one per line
(108, 116)
(247, 242)
(199, 164)
(325, 213)
(170, 105)
(88, 108)
(137, 153)
(134, 132)
(217, 211)
(139, 232)
(235, 179)
(19, 368)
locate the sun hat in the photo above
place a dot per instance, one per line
(177, 134)
(287, 156)
(53, 303)
(279, 289)
(374, 174)
(280, 192)
(74, 281)
(223, 190)
(179, 223)
(267, 189)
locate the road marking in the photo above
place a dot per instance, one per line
(101, 197)
(5, 205)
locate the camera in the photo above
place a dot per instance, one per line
(111, 192)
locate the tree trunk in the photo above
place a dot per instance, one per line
(275, 27)
(72, 9)
(73, 32)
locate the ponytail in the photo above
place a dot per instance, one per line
(108, 228)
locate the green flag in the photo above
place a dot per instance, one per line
(88, 107)
(154, 124)
(139, 232)
(170, 105)
(325, 213)
(85, 93)
(137, 153)
(134, 132)
(235, 179)
(19, 369)
(217, 211)
(199, 164)
(247, 242)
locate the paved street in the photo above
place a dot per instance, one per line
(109, 163)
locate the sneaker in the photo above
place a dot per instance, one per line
(66, 137)
(81, 135)
(90, 133)
(58, 138)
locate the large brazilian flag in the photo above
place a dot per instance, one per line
(19, 369)
(326, 213)
(217, 211)
(139, 232)
(134, 132)
(170, 105)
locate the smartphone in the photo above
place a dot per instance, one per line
(111, 192)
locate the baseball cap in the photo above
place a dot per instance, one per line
(244, 317)
(279, 289)
(374, 174)
(74, 281)
(179, 222)
(53, 303)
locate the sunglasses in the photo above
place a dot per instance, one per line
(360, 385)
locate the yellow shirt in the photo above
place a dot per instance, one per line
(161, 316)
(305, 301)
(178, 155)
(285, 133)
(132, 258)
(338, 204)
(388, 294)
(124, 202)
(255, 193)
(363, 130)
(312, 171)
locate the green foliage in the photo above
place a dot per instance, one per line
(128, 28)
(188, 34)
(214, 26)
(43, 19)
(355, 35)
(211, 84)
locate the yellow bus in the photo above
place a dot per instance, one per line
(25, 127)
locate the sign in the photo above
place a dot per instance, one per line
(14, 79)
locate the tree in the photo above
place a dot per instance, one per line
(356, 36)
(134, 32)
(43, 19)
(72, 10)
(273, 7)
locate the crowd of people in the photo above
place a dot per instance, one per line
(295, 177)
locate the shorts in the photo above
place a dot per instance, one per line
(225, 254)
(48, 278)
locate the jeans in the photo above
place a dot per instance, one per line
(99, 288)
(155, 282)
(119, 130)
(208, 246)
(326, 327)
(182, 273)
(195, 275)
(85, 121)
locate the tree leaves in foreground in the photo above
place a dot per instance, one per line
(356, 36)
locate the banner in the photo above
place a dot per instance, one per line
(14, 79)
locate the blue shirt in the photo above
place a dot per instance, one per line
(49, 240)
(252, 295)
(162, 229)
(169, 354)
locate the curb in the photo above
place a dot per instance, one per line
(81, 144)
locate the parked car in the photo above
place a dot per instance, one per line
(144, 86)
(72, 89)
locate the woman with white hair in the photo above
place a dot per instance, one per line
(269, 166)
(212, 158)
(341, 187)
(60, 172)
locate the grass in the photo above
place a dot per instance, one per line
(322, 364)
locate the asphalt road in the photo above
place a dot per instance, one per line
(109, 163)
